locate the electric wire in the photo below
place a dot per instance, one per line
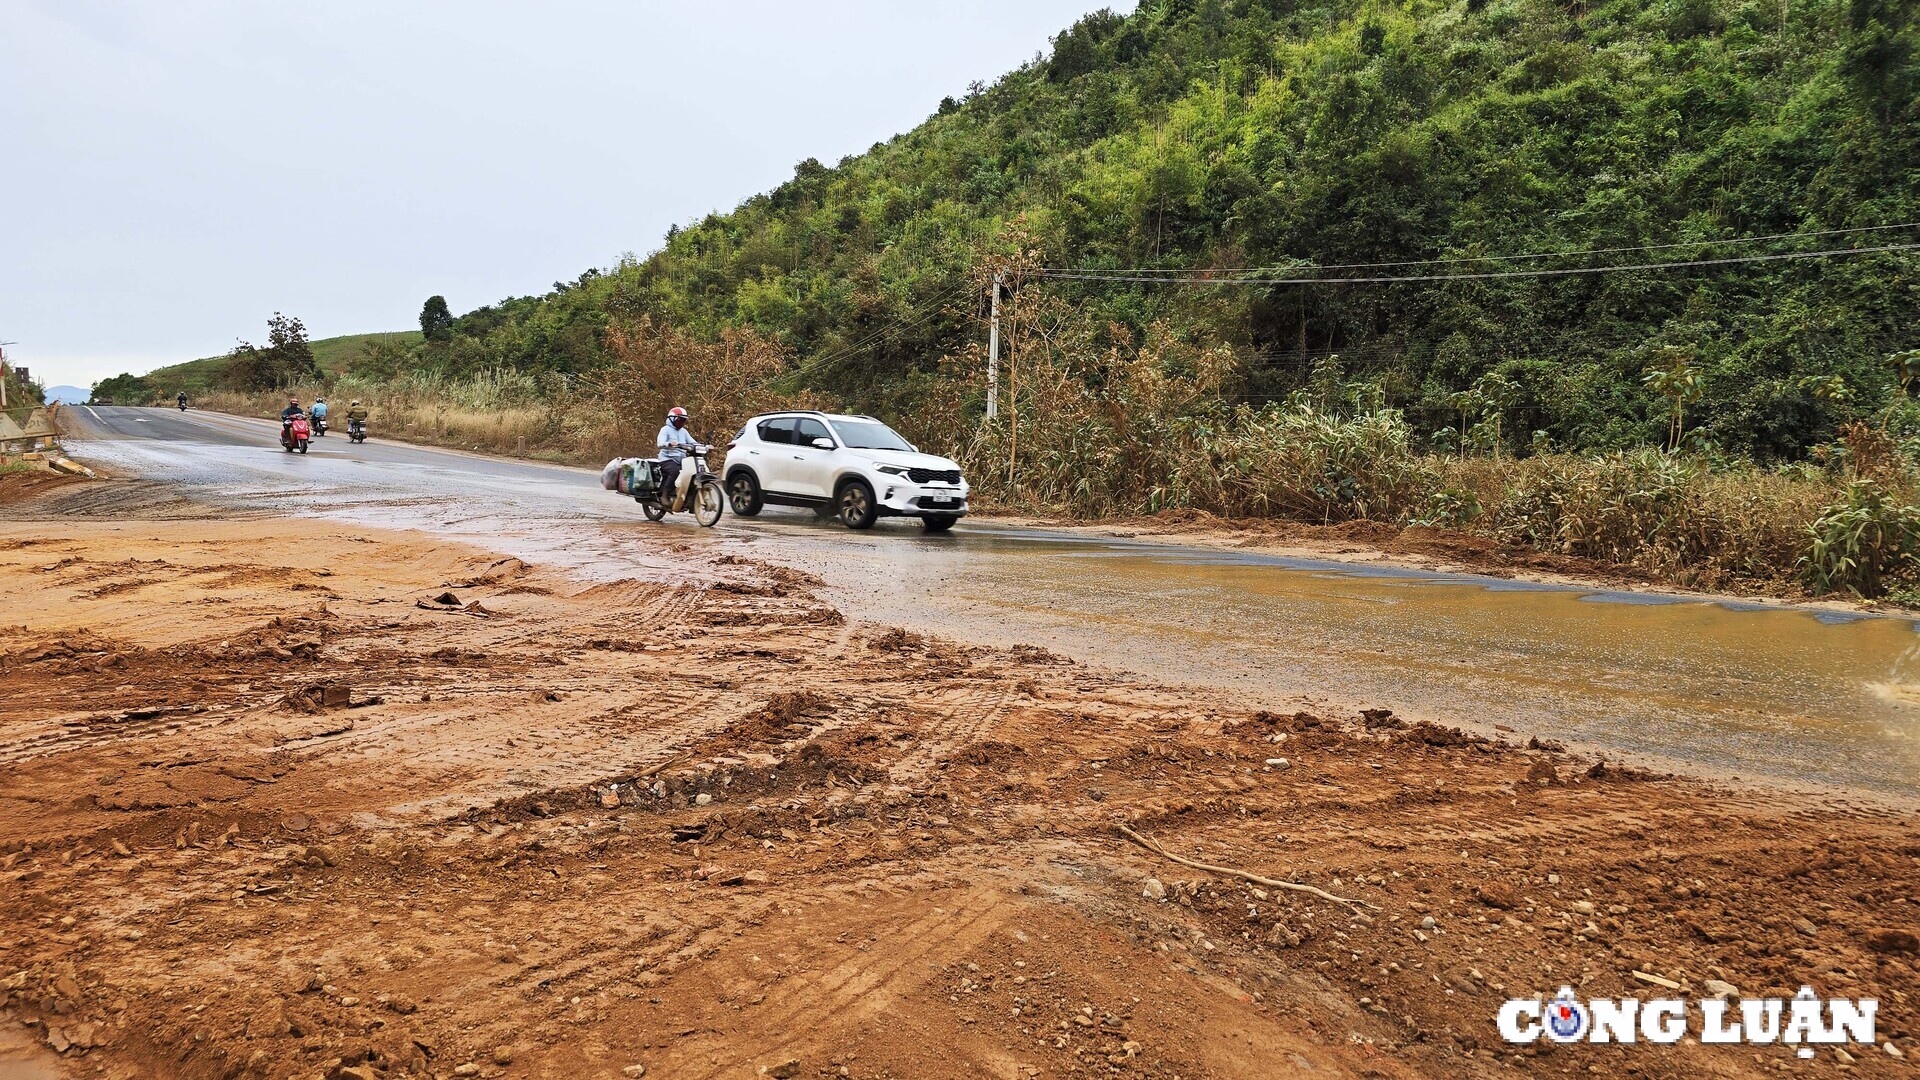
(1075, 275)
(934, 307)
(1304, 265)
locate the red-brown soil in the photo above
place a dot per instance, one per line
(277, 801)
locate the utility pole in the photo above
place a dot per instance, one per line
(993, 351)
(3, 375)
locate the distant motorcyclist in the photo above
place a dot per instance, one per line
(356, 419)
(288, 415)
(674, 442)
(319, 415)
(182, 399)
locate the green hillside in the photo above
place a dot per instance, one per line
(335, 355)
(1301, 135)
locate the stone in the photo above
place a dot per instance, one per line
(1497, 894)
(634, 1070)
(321, 855)
(503, 1055)
(1805, 927)
(1429, 923)
(1278, 763)
(702, 799)
(1840, 1055)
(1884, 940)
(354, 1072)
(1892, 1050)
(466, 1069)
(754, 877)
(1154, 890)
(610, 798)
(1715, 988)
(786, 1070)
(1583, 907)
(57, 1038)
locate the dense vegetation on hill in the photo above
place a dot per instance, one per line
(1291, 133)
(1743, 417)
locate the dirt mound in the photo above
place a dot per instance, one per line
(17, 486)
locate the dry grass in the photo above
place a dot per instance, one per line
(1116, 427)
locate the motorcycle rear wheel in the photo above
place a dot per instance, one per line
(654, 509)
(709, 502)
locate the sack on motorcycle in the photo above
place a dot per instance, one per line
(646, 478)
(610, 476)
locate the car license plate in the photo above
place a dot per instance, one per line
(939, 500)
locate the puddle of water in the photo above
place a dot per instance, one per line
(1795, 694)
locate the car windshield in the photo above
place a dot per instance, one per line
(869, 435)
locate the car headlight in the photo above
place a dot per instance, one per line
(895, 470)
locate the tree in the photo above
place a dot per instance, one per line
(1679, 382)
(292, 357)
(287, 359)
(122, 388)
(436, 321)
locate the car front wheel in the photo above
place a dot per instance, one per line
(856, 506)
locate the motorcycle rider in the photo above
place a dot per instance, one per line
(182, 398)
(674, 442)
(319, 414)
(356, 414)
(287, 414)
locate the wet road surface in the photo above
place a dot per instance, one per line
(1786, 694)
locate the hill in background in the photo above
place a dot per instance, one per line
(68, 395)
(334, 355)
(1308, 137)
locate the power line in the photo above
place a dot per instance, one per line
(933, 309)
(1301, 265)
(1129, 276)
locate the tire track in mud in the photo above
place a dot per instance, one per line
(76, 734)
(858, 985)
(963, 717)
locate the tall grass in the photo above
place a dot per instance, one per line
(1116, 427)
(501, 412)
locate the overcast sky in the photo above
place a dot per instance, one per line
(175, 173)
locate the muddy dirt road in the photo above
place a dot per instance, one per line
(280, 799)
(286, 803)
(1794, 695)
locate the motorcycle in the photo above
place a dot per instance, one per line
(705, 499)
(183, 404)
(356, 430)
(294, 434)
(320, 427)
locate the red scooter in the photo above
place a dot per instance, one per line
(294, 434)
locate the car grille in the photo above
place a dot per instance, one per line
(934, 476)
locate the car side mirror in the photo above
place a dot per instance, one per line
(823, 444)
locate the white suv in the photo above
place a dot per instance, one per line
(854, 468)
